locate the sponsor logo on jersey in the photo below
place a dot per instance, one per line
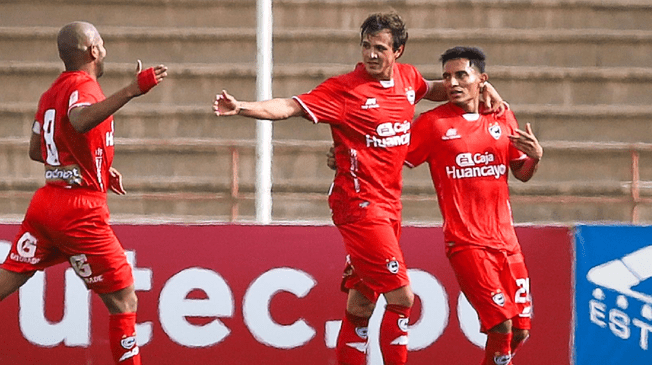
(371, 103)
(631, 308)
(470, 165)
(451, 134)
(393, 266)
(499, 298)
(70, 174)
(26, 247)
(494, 130)
(390, 135)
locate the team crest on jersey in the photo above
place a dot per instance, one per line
(411, 96)
(393, 266)
(495, 130)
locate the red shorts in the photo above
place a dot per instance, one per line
(375, 263)
(496, 285)
(71, 225)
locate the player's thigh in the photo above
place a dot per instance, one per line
(10, 281)
(375, 254)
(479, 275)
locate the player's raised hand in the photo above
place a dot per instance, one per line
(147, 79)
(526, 142)
(492, 101)
(225, 105)
(115, 182)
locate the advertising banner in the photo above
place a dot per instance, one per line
(613, 295)
(240, 294)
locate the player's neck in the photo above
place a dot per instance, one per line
(470, 107)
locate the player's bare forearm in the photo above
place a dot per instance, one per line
(35, 147)
(85, 118)
(525, 169)
(274, 109)
(436, 91)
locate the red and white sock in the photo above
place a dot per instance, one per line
(498, 349)
(122, 339)
(393, 334)
(352, 342)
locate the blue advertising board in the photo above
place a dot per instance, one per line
(613, 300)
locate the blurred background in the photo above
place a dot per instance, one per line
(578, 70)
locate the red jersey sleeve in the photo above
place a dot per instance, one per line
(324, 103)
(84, 94)
(419, 150)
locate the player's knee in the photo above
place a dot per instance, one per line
(504, 327)
(520, 335)
(363, 310)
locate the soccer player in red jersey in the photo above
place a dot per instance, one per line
(470, 155)
(68, 218)
(369, 111)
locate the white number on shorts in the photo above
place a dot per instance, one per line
(523, 293)
(81, 267)
(48, 134)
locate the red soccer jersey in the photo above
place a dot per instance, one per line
(469, 165)
(74, 159)
(370, 123)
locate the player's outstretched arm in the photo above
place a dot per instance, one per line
(85, 118)
(226, 105)
(526, 142)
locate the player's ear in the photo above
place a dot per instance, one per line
(399, 52)
(94, 51)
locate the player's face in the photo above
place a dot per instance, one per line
(101, 54)
(462, 83)
(378, 56)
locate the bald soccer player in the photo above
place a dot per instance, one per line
(68, 218)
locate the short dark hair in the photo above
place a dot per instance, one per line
(381, 21)
(475, 56)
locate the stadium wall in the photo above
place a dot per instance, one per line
(238, 294)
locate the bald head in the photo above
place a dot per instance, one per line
(74, 40)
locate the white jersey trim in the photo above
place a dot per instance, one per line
(313, 117)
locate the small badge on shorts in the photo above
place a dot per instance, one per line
(499, 299)
(393, 266)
